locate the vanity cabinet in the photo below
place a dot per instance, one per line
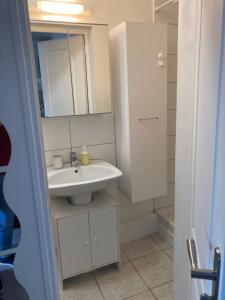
(139, 84)
(87, 237)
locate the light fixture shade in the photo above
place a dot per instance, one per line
(57, 7)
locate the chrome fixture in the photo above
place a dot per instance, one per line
(74, 162)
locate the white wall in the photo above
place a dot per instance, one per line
(98, 131)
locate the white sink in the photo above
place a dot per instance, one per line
(80, 182)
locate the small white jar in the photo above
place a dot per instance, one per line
(57, 162)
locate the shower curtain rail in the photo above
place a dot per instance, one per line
(158, 8)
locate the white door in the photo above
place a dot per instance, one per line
(104, 236)
(198, 199)
(79, 74)
(74, 243)
(56, 77)
(25, 184)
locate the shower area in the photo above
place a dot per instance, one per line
(167, 12)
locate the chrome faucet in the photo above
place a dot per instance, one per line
(74, 162)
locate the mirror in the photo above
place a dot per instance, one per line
(51, 52)
(73, 70)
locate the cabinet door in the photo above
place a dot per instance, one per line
(74, 244)
(104, 236)
(148, 110)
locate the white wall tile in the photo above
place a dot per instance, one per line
(129, 210)
(104, 152)
(171, 122)
(49, 156)
(167, 18)
(56, 133)
(137, 228)
(172, 68)
(171, 145)
(172, 38)
(171, 96)
(134, 217)
(92, 130)
(171, 171)
(171, 193)
(167, 200)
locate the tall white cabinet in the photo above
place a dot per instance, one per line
(139, 81)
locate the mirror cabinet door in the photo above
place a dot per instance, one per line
(101, 100)
(78, 39)
(51, 51)
(73, 69)
(96, 77)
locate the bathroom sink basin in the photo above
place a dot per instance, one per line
(78, 183)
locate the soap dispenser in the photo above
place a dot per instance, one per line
(85, 160)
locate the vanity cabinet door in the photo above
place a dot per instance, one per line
(74, 242)
(104, 236)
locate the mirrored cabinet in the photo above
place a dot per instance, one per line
(73, 68)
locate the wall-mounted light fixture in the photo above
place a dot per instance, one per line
(56, 7)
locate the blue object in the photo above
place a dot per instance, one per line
(6, 222)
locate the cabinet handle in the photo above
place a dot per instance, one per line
(86, 242)
(94, 240)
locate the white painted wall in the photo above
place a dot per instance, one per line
(98, 131)
(112, 12)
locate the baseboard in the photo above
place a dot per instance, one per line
(137, 228)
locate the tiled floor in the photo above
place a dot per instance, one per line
(146, 274)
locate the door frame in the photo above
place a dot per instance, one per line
(25, 185)
(218, 218)
(187, 116)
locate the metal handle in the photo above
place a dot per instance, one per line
(150, 118)
(192, 252)
(213, 275)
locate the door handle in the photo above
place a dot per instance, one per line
(213, 275)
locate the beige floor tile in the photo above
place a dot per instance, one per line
(155, 269)
(118, 285)
(164, 292)
(82, 287)
(145, 296)
(140, 248)
(170, 252)
(160, 241)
